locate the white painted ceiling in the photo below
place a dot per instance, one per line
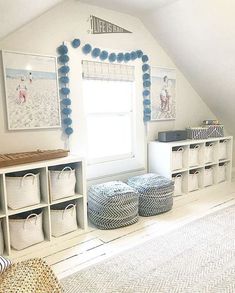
(16, 13)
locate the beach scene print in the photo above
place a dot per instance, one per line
(31, 91)
(163, 94)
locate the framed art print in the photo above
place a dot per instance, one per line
(163, 93)
(31, 87)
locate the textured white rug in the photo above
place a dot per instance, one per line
(199, 257)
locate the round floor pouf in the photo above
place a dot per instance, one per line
(112, 205)
(155, 193)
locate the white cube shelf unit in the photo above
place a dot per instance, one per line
(210, 159)
(43, 169)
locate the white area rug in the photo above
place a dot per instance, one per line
(199, 257)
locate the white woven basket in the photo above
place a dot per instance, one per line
(178, 185)
(222, 173)
(223, 150)
(209, 153)
(194, 156)
(62, 183)
(26, 232)
(23, 191)
(63, 221)
(208, 176)
(193, 181)
(177, 159)
(1, 239)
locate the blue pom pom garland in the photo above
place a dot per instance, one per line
(120, 57)
(112, 57)
(95, 52)
(145, 58)
(63, 58)
(66, 102)
(104, 55)
(64, 79)
(68, 130)
(64, 69)
(65, 91)
(66, 111)
(67, 121)
(76, 43)
(86, 49)
(62, 49)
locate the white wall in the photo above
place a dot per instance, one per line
(65, 22)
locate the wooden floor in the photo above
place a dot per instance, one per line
(97, 245)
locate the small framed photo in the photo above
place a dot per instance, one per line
(163, 93)
(31, 87)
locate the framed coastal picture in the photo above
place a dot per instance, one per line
(31, 87)
(163, 93)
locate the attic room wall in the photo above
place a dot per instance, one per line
(66, 21)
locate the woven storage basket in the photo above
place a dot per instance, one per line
(209, 153)
(26, 231)
(62, 183)
(178, 184)
(208, 176)
(197, 132)
(1, 239)
(193, 181)
(222, 172)
(23, 191)
(215, 130)
(63, 219)
(223, 149)
(194, 155)
(177, 158)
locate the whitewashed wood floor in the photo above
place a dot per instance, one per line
(97, 245)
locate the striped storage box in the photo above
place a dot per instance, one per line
(112, 205)
(155, 193)
(197, 132)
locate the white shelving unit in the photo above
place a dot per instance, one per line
(43, 168)
(160, 160)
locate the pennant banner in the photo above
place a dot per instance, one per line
(101, 26)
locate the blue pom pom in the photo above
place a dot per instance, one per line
(127, 57)
(133, 55)
(64, 79)
(66, 111)
(104, 55)
(62, 50)
(95, 52)
(66, 102)
(67, 121)
(86, 49)
(145, 67)
(69, 130)
(145, 58)
(146, 93)
(139, 53)
(147, 118)
(147, 111)
(147, 83)
(112, 57)
(147, 102)
(146, 76)
(64, 69)
(120, 57)
(76, 43)
(65, 91)
(64, 58)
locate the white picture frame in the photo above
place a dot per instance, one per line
(163, 93)
(31, 90)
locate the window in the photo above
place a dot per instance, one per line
(110, 107)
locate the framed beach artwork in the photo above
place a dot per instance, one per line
(163, 93)
(31, 87)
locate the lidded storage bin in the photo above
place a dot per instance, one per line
(23, 189)
(222, 172)
(209, 152)
(63, 218)
(177, 158)
(193, 180)
(208, 176)
(223, 149)
(178, 180)
(26, 229)
(62, 183)
(194, 155)
(1, 239)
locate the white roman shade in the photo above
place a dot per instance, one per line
(107, 71)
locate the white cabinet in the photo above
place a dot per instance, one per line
(45, 203)
(192, 164)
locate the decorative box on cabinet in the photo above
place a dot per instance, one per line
(211, 159)
(79, 195)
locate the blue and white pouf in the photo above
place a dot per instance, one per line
(112, 205)
(155, 193)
